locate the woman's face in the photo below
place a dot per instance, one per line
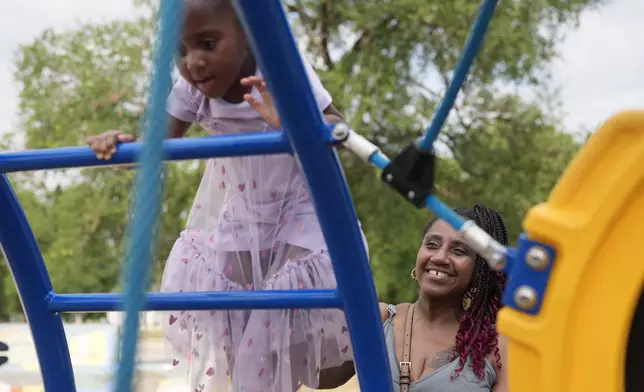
(444, 264)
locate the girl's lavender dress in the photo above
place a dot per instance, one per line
(252, 227)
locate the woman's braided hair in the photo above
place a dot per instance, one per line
(477, 336)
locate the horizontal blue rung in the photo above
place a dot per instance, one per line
(256, 143)
(283, 299)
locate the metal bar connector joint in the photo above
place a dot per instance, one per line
(485, 245)
(354, 142)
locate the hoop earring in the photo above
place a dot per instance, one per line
(413, 274)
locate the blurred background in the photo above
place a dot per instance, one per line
(550, 72)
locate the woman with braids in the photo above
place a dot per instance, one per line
(447, 340)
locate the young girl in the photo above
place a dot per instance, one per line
(252, 225)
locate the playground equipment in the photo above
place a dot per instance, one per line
(555, 337)
(578, 337)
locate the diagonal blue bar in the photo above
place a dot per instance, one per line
(294, 299)
(280, 61)
(255, 143)
(471, 49)
(32, 280)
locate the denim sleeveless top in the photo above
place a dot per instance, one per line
(440, 379)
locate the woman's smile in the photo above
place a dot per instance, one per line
(438, 276)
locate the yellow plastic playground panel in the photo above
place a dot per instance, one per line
(594, 218)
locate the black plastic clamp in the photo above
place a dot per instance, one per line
(411, 173)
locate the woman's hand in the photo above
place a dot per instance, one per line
(266, 109)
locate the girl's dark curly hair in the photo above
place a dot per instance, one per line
(477, 337)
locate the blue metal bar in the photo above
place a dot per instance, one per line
(294, 299)
(280, 61)
(28, 268)
(175, 149)
(474, 41)
(379, 160)
(444, 212)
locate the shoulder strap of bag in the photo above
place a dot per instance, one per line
(405, 363)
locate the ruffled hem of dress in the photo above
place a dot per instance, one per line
(261, 350)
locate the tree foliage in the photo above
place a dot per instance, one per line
(386, 64)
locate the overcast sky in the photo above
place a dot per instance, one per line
(601, 69)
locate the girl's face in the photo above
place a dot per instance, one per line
(213, 50)
(444, 264)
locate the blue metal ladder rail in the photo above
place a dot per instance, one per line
(306, 135)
